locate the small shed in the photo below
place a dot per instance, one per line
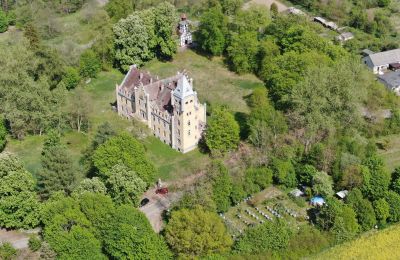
(317, 201)
(342, 194)
(346, 36)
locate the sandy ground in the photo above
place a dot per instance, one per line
(267, 3)
(18, 239)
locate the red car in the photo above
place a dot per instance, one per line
(162, 191)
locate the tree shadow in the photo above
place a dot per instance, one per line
(241, 118)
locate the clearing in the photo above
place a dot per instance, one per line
(264, 206)
(391, 151)
(281, 7)
(384, 244)
(213, 81)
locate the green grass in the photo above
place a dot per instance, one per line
(171, 164)
(384, 244)
(212, 80)
(391, 155)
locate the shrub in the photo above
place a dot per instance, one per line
(89, 64)
(34, 243)
(7, 251)
(3, 22)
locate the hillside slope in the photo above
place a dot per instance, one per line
(383, 244)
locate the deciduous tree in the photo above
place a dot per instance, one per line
(58, 172)
(127, 150)
(212, 31)
(222, 134)
(197, 232)
(130, 236)
(124, 185)
(19, 205)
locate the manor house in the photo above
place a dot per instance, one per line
(169, 107)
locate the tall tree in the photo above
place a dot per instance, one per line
(19, 205)
(165, 22)
(197, 232)
(28, 104)
(124, 185)
(221, 185)
(78, 108)
(124, 149)
(58, 172)
(130, 236)
(222, 134)
(212, 31)
(68, 231)
(376, 179)
(131, 42)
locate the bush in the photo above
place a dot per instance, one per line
(34, 243)
(3, 134)
(71, 78)
(3, 22)
(89, 64)
(7, 251)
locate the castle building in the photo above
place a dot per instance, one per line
(185, 36)
(169, 107)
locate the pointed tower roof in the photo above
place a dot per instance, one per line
(184, 89)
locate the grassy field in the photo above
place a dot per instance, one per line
(383, 244)
(214, 83)
(391, 153)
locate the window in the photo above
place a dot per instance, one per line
(191, 100)
(186, 102)
(179, 122)
(164, 134)
(179, 141)
(189, 122)
(189, 132)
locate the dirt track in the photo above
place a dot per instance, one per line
(267, 3)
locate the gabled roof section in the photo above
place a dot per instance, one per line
(386, 57)
(184, 88)
(135, 77)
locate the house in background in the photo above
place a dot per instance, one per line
(169, 107)
(380, 62)
(391, 80)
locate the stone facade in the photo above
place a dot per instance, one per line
(185, 36)
(169, 107)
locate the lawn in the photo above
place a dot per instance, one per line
(214, 83)
(391, 153)
(383, 244)
(223, 88)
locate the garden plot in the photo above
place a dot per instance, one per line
(252, 211)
